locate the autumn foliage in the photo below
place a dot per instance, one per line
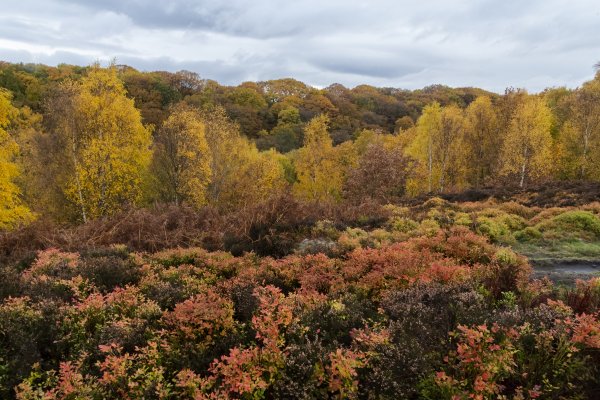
(96, 141)
(166, 237)
(457, 312)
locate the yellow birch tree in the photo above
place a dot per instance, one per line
(182, 158)
(437, 146)
(110, 146)
(320, 176)
(526, 153)
(482, 140)
(240, 174)
(580, 136)
(12, 210)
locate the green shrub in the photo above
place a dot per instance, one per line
(325, 229)
(352, 238)
(546, 214)
(496, 230)
(436, 202)
(404, 225)
(20, 330)
(429, 227)
(108, 272)
(498, 225)
(570, 225)
(463, 218)
(512, 207)
(396, 211)
(528, 234)
(508, 272)
(379, 237)
(174, 257)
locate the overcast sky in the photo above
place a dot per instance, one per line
(406, 44)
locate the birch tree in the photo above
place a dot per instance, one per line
(12, 210)
(182, 158)
(526, 153)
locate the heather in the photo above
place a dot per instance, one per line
(434, 313)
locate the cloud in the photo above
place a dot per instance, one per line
(404, 44)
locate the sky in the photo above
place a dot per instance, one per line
(492, 44)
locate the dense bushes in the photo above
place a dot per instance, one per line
(435, 316)
(573, 224)
(281, 225)
(526, 362)
(428, 301)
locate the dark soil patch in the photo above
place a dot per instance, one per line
(550, 194)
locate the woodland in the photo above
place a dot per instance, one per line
(163, 236)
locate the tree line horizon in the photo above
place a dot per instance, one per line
(79, 143)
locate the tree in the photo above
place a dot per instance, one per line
(240, 174)
(450, 147)
(115, 152)
(182, 158)
(526, 153)
(12, 210)
(287, 135)
(315, 104)
(103, 147)
(482, 140)
(26, 129)
(507, 105)
(422, 146)
(246, 105)
(381, 174)
(437, 145)
(247, 96)
(143, 88)
(580, 135)
(319, 173)
(278, 89)
(403, 123)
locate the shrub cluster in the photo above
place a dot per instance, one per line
(445, 314)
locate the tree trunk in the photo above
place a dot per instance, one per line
(522, 175)
(442, 176)
(77, 181)
(586, 136)
(430, 164)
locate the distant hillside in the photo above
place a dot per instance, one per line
(256, 106)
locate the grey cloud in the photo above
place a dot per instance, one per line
(171, 14)
(387, 67)
(233, 17)
(486, 43)
(19, 31)
(55, 58)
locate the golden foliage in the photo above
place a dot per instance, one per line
(526, 153)
(438, 146)
(110, 149)
(182, 159)
(241, 175)
(482, 140)
(319, 165)
(12, 210)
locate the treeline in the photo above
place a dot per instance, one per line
(255, 106)
(81, 143)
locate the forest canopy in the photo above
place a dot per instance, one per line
(78, 143)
